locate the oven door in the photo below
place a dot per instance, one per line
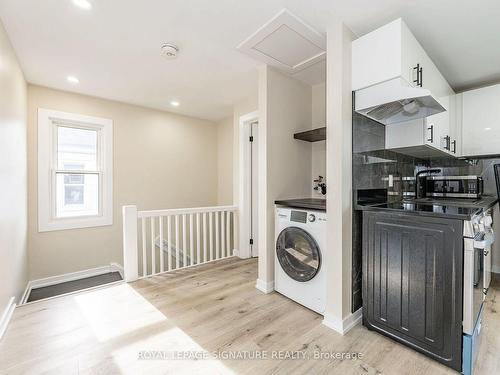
(473, 283)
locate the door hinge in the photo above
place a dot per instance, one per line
(251, 241)
(251, 138)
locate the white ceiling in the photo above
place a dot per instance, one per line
(114, 49)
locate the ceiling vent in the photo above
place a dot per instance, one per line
(286, 42)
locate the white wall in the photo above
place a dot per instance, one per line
(161, 160)
(225, 161)
(339, 171)
(284, 163)
(318, 167)
(13, 175)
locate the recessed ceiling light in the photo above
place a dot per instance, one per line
(84, 4)
(175, 103)
(487, 129)
(73, 79)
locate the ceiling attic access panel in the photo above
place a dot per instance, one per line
(287, 43)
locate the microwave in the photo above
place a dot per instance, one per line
(454, 186)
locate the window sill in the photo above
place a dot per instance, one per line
(75, 223)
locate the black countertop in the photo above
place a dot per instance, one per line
(306, 203)
(445, 208)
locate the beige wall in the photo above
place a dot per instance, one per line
(225, 161)
(284, 163)
(318, 167)
(13, 176)
(161, 160)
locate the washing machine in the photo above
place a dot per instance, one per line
(299, 268)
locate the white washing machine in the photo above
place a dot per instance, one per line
(299, 270)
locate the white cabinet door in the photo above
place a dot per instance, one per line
(406, 134)
(455, 125)
(440, 124)
(481, 121)
(376, 56)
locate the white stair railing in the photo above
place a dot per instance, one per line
(158, 241)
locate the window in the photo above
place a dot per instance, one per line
(75, 171)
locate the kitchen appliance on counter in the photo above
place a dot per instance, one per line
(450, 186)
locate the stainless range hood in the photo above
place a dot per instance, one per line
(396, 101)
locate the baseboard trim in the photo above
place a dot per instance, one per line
(265, 287)
(345, 325)
(72, 276)
(6, 316)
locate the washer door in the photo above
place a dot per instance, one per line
(298, 254)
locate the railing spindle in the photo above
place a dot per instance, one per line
(228, 233)
(184, 243)
(204, 237)
(191, 240)
(223, 234)
(162, 265)
(169, 243)
(144, 254)
(153, 250)
(177, 262)
(198, 238)
(217, 240)
(211, 231)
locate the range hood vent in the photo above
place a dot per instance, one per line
(396, 101)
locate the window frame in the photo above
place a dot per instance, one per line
(48, 122)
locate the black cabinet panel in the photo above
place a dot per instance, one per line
(412, 282)
(357, 272)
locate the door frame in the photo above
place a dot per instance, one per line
(244, 194)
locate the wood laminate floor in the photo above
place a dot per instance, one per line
(214, 308)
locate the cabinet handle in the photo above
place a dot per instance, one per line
(419, 71)
(454, 146)
(448, 143)
(431, 128)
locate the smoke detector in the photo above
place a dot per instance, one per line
(169, 51)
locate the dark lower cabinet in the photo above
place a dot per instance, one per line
(412, 282)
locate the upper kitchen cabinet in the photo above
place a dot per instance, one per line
(398, 85)
(394, 79)
(480, 121)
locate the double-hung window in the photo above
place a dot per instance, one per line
(75, 171)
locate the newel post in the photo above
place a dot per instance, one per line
(130, 264)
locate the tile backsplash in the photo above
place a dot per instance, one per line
(376, 168)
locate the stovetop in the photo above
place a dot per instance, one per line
(445, 208)
(448, 211)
